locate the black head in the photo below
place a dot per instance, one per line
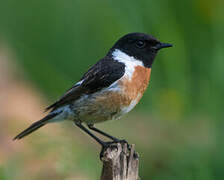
(141, 46)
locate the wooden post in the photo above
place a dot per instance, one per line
(119, 163)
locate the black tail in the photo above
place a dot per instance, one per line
(35, 126)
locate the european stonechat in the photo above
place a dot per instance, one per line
(109, 89)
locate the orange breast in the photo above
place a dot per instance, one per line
(132, 89)
(136, 86)
(110, 104)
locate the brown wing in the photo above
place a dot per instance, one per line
(99, 76)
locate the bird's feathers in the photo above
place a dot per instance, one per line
(36, 125)
(99, 76)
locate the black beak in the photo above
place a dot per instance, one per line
(162, 45)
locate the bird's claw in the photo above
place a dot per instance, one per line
(123, 141)
(110, 144)
(106, 145)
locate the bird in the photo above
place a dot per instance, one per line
(109, 89)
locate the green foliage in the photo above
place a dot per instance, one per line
(57, 41)
(61, 40)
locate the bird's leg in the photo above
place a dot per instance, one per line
(91, 126)
(79, 124)
(104, 145)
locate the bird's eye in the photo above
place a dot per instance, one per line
(140, 44)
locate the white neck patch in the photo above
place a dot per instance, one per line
(129, 61)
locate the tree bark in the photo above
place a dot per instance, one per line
(120, 163)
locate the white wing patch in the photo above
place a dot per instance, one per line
(79, 83)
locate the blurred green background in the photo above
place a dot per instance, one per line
(178, 126)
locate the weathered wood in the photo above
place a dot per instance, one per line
(120, 163)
